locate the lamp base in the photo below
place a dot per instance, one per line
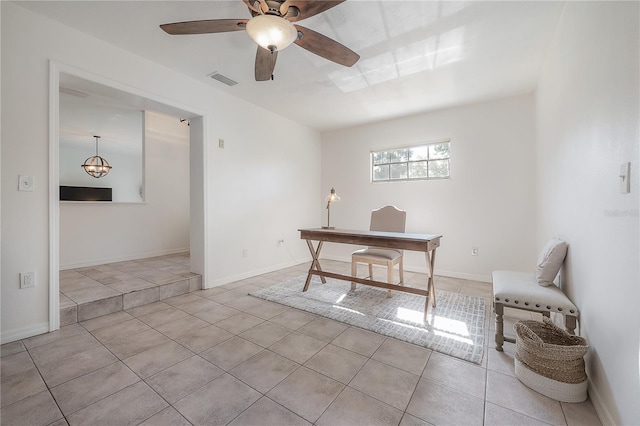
(328, 227)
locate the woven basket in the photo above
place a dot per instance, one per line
(545, 351)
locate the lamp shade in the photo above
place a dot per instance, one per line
(271, 32)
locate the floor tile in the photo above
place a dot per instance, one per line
(136, 343)
(404, 356)
(265, 334)
(129, 406)
(204, 338)
(182, 299)
(323, 329)
(293, 319)
(500, 416)
(85, 390)
(306, 393)
(167, 417)
(224, 297)
(359, 341)
(440, 405)
(16, 363)
(456, 374)
(46, 338)
(502, 362)
(180, 380)
(409, 420)
(106, 320)
(12, 348)
(158, 358)
(139, 311)
(265, 412)
(201, 304)
(268, 310)
(36, 410)
(245, 303)
(231, 353)
(239, 323)
(509, 392)
(181, 326)
(220, 313)
(352, 407)
(385, 383)
(120, 330)
(162, 316)
(581, 414)
(297, 347)
(18, 386)
(337, 363)
(62, 370)
(218, 402)
(264, 370)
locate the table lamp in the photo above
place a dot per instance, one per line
(330, 199)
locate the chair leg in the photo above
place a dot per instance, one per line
(370, 271)
(389, 277)
(354, 273)
(499, 310)
(400, 265)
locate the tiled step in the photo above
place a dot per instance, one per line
(94, 291)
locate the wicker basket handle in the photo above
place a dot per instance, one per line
(524, 330)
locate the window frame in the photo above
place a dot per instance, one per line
(408, 162)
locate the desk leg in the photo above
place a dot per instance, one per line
(431, 260)
(315, 264)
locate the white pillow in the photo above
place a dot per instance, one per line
(550, 261)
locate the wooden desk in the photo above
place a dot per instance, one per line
(394, 240)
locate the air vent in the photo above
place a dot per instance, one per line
(221, 78)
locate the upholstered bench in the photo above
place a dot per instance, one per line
(520, 290)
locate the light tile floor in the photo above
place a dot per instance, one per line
(219, 357)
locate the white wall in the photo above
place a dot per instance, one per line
(587, 106)
(487, 203)
(130, 231)
(251, 168)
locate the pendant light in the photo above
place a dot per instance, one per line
(96, 166)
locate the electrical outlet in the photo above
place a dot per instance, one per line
(280, 243)
(474, 251)
(25, 183)
(221, 143)
(27, 279)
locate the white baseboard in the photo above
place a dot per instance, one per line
(232, 278)
(23, 333)
(451, 274)
(601, 408)
(138, 256)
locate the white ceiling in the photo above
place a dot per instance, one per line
(416, 56)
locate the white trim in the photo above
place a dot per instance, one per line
(601, 408)
(137, 256)
(54, 196)
(451, 274)
(55, 69)
(23, 333)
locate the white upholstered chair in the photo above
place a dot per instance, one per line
(388, 219)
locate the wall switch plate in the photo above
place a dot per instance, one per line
(25, 183)
(474, 251)
(27, 279)
(625, 182)
(221, 143)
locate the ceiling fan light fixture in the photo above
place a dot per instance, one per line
(271, 32)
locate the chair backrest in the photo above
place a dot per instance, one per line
(388, 219)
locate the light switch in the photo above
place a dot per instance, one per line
(625, 184)
(25, 183)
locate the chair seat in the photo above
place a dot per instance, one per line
(378, 253)
(521, 290)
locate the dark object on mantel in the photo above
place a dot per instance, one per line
(84, 193)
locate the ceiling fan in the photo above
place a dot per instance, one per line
(272, 29)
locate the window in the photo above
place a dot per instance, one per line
(428, 161)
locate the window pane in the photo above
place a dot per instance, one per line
(439, 169)
(380, 157)
(398, 155)
(399, 171)
(418, 170)
(419, 153)
(380, 172)
(440, 150)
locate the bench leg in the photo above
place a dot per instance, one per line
(499, 310)
(570, 323)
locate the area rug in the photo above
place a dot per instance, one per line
(455, 327)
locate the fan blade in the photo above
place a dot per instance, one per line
(265, 63)
(307, 8)
(323, 46)
(205, 26)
